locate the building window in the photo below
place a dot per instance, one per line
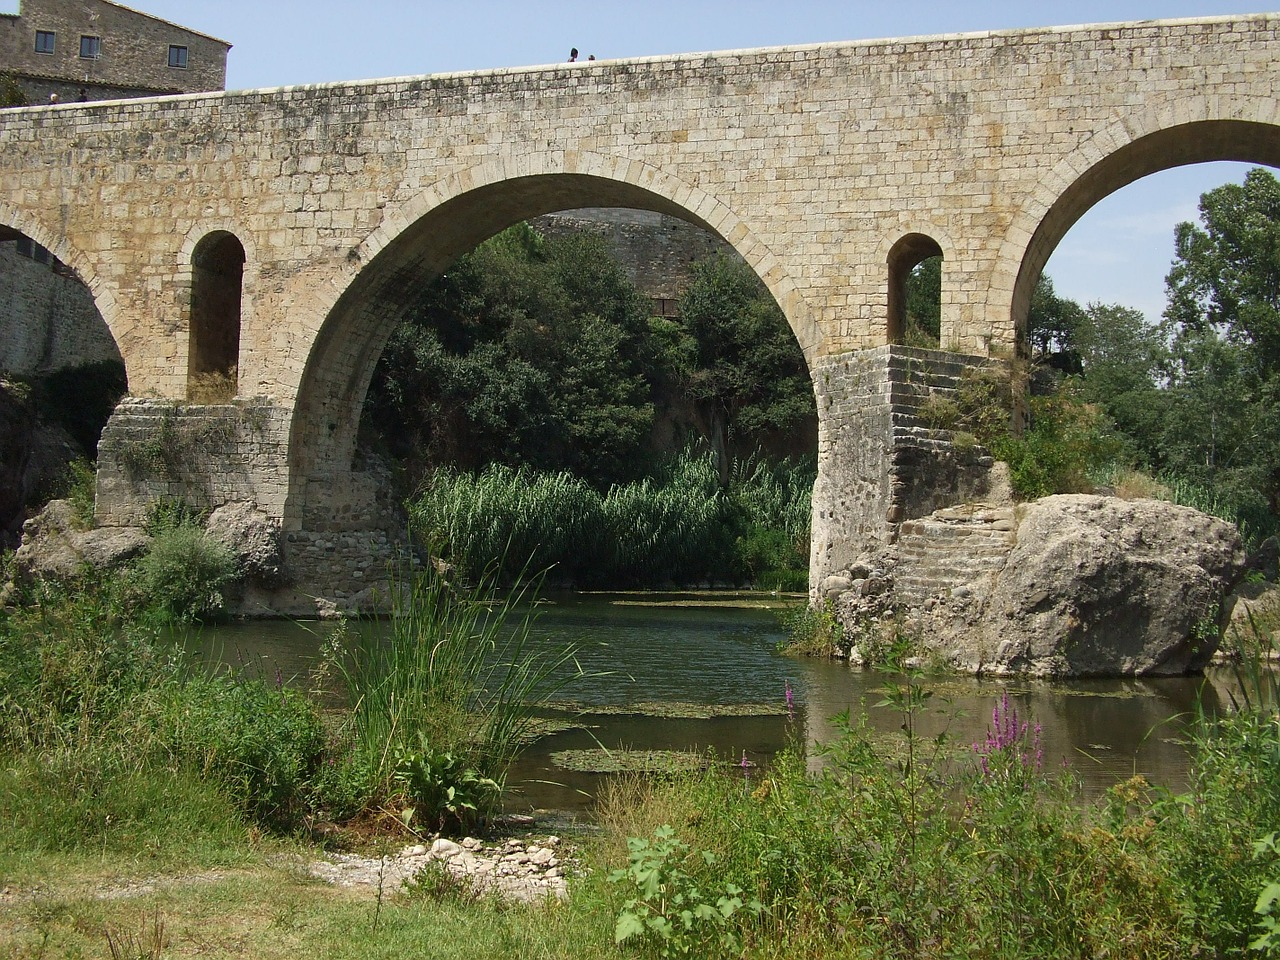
(90, 48)
(177, 56)
(44, 41)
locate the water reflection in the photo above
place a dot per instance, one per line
(646, 649)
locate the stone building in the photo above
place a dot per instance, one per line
(657, 251)
(99, 50)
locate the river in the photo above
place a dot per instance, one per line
(689, 656)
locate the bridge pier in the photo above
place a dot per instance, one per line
(879, 462)
(336, 547)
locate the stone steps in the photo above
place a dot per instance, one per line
(951, 548)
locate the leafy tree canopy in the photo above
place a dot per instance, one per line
(748, 371)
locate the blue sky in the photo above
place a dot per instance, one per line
(1119, 252)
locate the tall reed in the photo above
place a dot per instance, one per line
(458, 675)
(677, 526)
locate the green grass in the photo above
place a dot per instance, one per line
(679, 525)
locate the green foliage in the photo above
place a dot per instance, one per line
(72, 662)
(905, 846)
(261, 744)
(1052, 325)
(11, 94)
(1224, 320)
(442, 793)
(924, 305)
(813, 630)
(676, 526)
(92, 693)
(670, 907)
(527, 352)
(749, 374)
(1268, 941)
(1067, 443)
(445, 703)
(81, 491)
(183, 574)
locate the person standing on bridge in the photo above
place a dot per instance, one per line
(573, 55)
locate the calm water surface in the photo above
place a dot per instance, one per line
(708, 651)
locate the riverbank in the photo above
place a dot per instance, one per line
(198, 806)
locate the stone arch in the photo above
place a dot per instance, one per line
(910, 250)
(1164, 137)
(80, 265)
(214, 268)
(422, 236)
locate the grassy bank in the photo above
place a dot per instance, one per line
(141, 804)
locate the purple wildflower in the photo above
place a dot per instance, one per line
(1007, 738)
(791, 700)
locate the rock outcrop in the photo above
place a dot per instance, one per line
(1067, 586)
(253, 537)
(55, 547)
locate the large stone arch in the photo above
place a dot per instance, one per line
(82, 267)
(420, 238)
(1165, 136)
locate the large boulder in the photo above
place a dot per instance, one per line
(57, 546)
(253, 537)
(1099, 586)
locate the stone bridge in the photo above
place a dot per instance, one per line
(256, 247)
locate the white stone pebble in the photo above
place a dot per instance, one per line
(515, 868)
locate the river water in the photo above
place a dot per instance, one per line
(689, 656)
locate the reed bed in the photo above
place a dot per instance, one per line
(677, 526)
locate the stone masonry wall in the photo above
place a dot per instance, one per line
(204, 456)
(878, 466)
(48, 321)
(209, 455)
(134, 51)
(657, 251)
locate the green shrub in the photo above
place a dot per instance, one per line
(671, 907)
(813, 631)
(1067, 443)
(441, 792)
(72, 663)
(263, 745)
(183, 574)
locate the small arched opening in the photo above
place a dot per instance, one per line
(217, 276)
(915, 299)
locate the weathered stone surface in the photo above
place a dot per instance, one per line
(53, 548)
(1097, 586)
(1253, 602)
(253, 537)
(1081, 586)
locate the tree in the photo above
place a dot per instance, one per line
(1224, 322)
(11, 94)
(1124, 360)
(748, 372)
(924, 303)
(1227, 273)
(525, 352)
(1051, 326)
